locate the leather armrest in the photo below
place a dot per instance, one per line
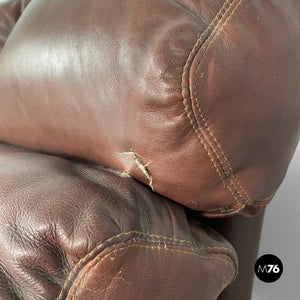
(78, 231)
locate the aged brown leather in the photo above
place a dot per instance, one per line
(198, 99)
(77, 231)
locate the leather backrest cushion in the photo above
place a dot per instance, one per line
(197, 99)
(78, 231)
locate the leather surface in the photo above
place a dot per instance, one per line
(197, 99)
(10, 11)
(79, 231)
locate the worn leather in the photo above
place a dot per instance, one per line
(197, 99)
(77, 231)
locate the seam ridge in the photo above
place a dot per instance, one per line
(137, 245)
(164, 238)
(185, 87)
(227, 176)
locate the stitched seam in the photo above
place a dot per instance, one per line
(262, 202)
(212, 25)
(229, 174)
(82, 260)
(225, 209)
(225, 180)
(200, 111)
(149, 247)
(202, 139)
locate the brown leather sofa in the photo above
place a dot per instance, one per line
(135, 138)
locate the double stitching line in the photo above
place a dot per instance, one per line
(164, 238)
(262, 202)
(210, 27)
(228, 174)
(80, 286)
(109, 240)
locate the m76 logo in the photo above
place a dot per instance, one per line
(268, 268)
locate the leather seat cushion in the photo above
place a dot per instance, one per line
(78, 231)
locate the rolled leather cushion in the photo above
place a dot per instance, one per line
(77, 231)
(200, 100)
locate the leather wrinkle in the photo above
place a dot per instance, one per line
(36, 270)
(25, 237)
(226, 180)
(186, 8)
(11, 285)
(161, 239)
